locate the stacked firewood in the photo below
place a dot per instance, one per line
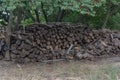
(62, 41)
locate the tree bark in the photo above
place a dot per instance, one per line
(8, 34)
(44, 13)
(60, 15)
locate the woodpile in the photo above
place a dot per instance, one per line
(62, 41)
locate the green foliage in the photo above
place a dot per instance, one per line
(81, 6)
(89, 12)
(97, 20)
(114, 21)
(27, 21)
(71, 17)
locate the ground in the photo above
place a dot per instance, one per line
(100, 69)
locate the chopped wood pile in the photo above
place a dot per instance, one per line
(62, 41)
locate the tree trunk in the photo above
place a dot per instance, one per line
(60, 15)
(37, 15)
(9, 32)
(19, 18)
(44, 13)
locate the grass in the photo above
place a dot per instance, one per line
(75, 70)
(109, 72)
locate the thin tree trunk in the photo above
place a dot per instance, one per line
(107, 16)
(60, 15)
(19, 18)
(8, 34)
(9, 26)
(37, 15)
(44, 13)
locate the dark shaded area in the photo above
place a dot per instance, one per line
(3, 47)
